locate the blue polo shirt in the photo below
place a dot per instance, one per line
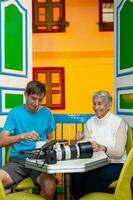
(20, 120)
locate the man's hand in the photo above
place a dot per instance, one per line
(98, 147)
(79, 136)
(33, 135)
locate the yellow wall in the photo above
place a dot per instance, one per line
(86, 54)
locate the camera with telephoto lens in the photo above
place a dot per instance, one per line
(53, 151)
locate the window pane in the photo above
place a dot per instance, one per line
(41, 1)
(56, 14)
(13, 100)
(56, 99)
(126, 101)
(42, 14)
(55, 78)
(42, 27)
(42, 77)
(108, 11)
(107, 17)
(56, 0)
(55, 27)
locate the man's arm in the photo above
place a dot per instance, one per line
(83, 136)
(117, 149)
(6, 139)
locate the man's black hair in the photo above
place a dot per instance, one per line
(35, 87)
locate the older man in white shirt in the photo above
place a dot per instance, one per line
(106, 132)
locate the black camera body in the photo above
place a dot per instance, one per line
(49, 154)
(50, 157)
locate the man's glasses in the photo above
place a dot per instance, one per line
(36, 98)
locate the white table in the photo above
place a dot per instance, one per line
(99, 159)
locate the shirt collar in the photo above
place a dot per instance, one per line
(103, 118)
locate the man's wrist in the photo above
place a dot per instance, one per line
(21, 137)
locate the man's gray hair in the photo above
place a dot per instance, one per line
(105, 94)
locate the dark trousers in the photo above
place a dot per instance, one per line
(96, 180)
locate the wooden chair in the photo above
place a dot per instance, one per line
(67, 126)
(122, 190)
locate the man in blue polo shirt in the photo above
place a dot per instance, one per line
(29, 122)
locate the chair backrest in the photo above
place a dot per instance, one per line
(2, 192)
(129, 144)
(123, 190)
(69, 124)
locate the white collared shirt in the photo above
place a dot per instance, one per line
(110, 131)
